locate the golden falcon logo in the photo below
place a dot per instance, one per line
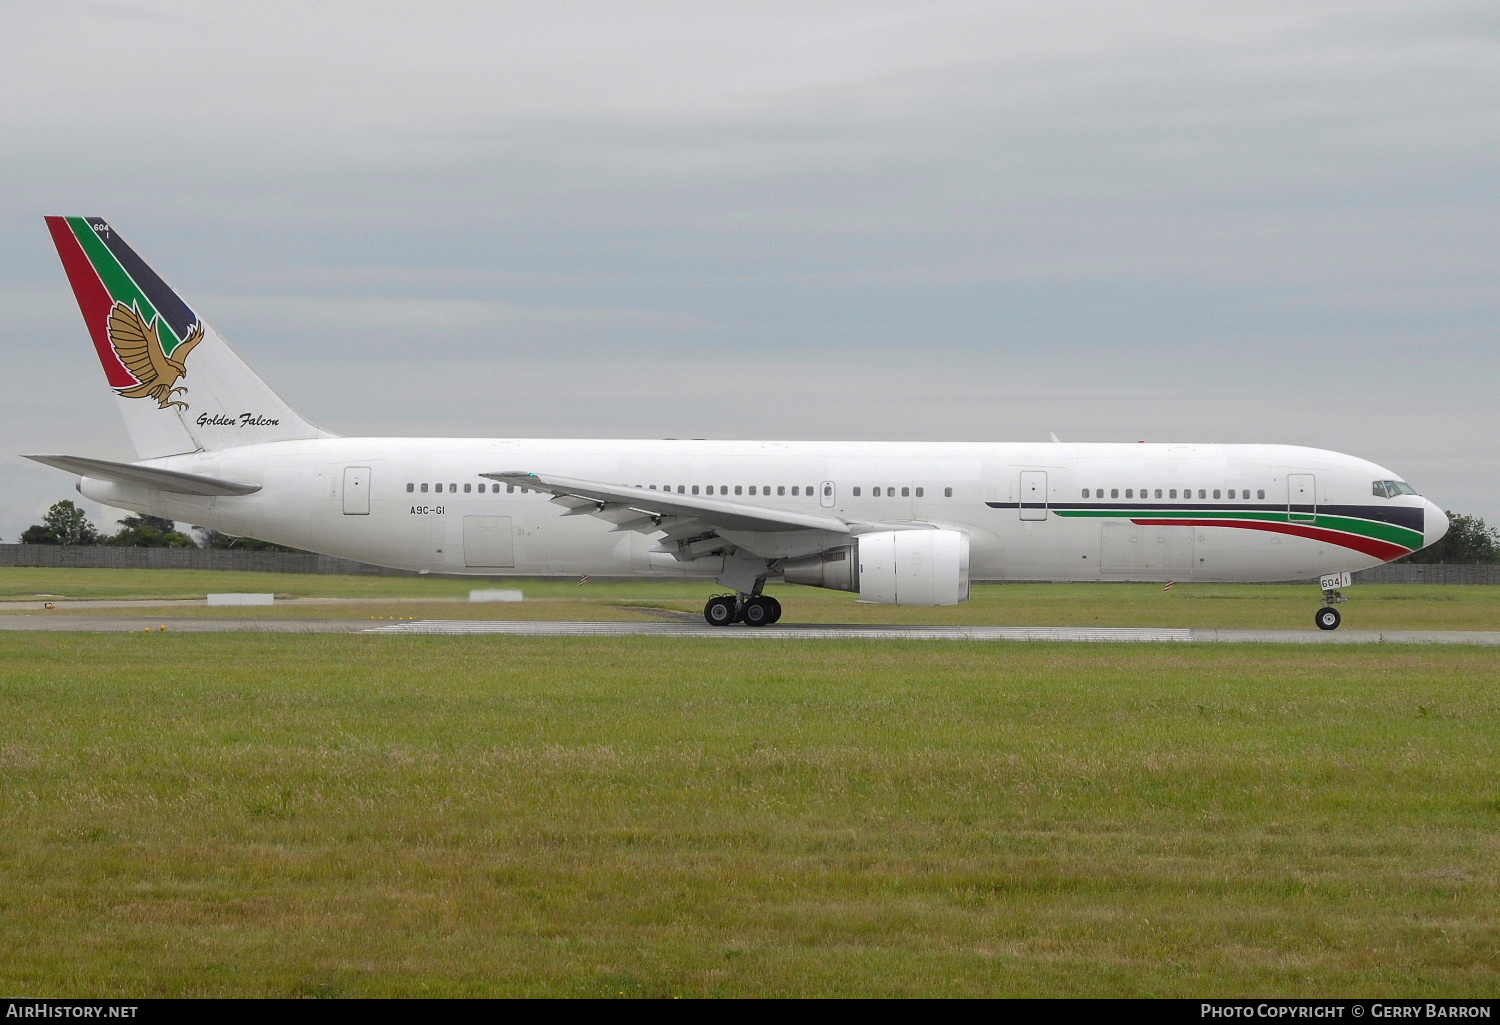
(139, 348)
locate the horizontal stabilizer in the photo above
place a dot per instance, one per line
(172, 481)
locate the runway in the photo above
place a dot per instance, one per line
(780, 632)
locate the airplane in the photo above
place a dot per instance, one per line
(900, 523)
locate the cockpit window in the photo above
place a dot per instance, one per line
(1391, 488)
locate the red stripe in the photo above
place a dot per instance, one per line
(93, 300)
(1383, 550)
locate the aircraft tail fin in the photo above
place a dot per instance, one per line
(180, 387)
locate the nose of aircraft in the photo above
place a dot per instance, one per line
(1434, 523)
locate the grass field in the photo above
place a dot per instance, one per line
(340, 815)
(1248, 606)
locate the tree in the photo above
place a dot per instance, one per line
(1469, 540)
(144, 531)
(211, 538)
(64, 524)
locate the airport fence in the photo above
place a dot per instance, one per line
(108, 557)
(1415, 573)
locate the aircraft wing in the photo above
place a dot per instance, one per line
(173, 481)
(654, 509)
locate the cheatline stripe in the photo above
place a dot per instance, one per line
(1357, 542)
(93, 299)
(1389, 532)
(122, 287)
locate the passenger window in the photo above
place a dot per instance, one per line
(410, 488)
(947, 492)
(1172, 493)
(481, 489)
(738, 490)
(1085, 492)
(1260, 494)
(919, 492)
(752, 489)
(1129, 493)
(467, 487)
(424, 489)
(780, 489)
(1114, 492)
(906, 492)
(794, 490)
(509, 488)
(681, 489)
(875, 492)
(855, 491)
(695, 489)
(1216, 492)
(765, 489)
(1202, 493)
(1158, 492)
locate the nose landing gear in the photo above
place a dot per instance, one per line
(1328, 617)
(752, 610)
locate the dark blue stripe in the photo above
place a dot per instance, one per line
(168, 303)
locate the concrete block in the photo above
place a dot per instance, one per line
(494, 595)
(241, 599)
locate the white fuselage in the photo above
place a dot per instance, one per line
(1050, 511)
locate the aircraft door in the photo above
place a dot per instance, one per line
(356, 491)
(1301, 498)
(827, 494)
(1033, 494)
(489, 542)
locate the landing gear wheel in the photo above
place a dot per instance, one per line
(1328, 618)
(759, 611)
(775, 609)
(720, 611)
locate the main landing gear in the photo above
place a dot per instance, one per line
(752, 610)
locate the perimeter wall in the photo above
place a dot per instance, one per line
(106, 557)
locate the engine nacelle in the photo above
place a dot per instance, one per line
(892, 567)
(914, 567)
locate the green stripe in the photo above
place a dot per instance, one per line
(1391, 532)
(120, 285)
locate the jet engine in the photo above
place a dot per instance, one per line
(892, 567)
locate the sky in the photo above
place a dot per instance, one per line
(1161, 221)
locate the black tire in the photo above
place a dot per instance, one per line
(757, 612)
(720, 611)
(775, 610)
(1328, 618)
